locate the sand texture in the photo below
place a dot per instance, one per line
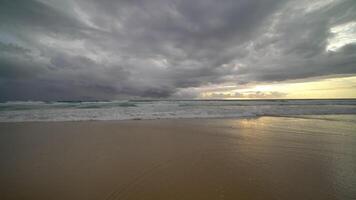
(261, 158)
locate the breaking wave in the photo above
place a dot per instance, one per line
(17, 111)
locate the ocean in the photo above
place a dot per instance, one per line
(20, 111)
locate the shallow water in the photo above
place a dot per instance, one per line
(304, 157)
(170, 109)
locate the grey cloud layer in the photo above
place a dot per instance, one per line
(68, 50)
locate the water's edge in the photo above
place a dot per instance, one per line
(179, 109)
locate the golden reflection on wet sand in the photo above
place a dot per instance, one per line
(259, 158)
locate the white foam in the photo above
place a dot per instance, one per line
(124, 110)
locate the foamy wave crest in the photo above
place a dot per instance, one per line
(153, 109)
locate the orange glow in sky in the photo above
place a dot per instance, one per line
(340, 87)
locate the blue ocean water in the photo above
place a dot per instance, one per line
(17, 111)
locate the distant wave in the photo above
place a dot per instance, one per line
(157, 109)
(36, 105)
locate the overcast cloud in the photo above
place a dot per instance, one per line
(112, 49)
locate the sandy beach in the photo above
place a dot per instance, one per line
(257, 158)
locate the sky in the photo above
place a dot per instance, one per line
(181, 49)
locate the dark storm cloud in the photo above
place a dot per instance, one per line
(86, 49)
(301, 42)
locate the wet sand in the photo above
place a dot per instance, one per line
(261, 158)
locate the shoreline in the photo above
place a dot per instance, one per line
(301, 116)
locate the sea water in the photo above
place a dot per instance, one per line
(18, 111)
